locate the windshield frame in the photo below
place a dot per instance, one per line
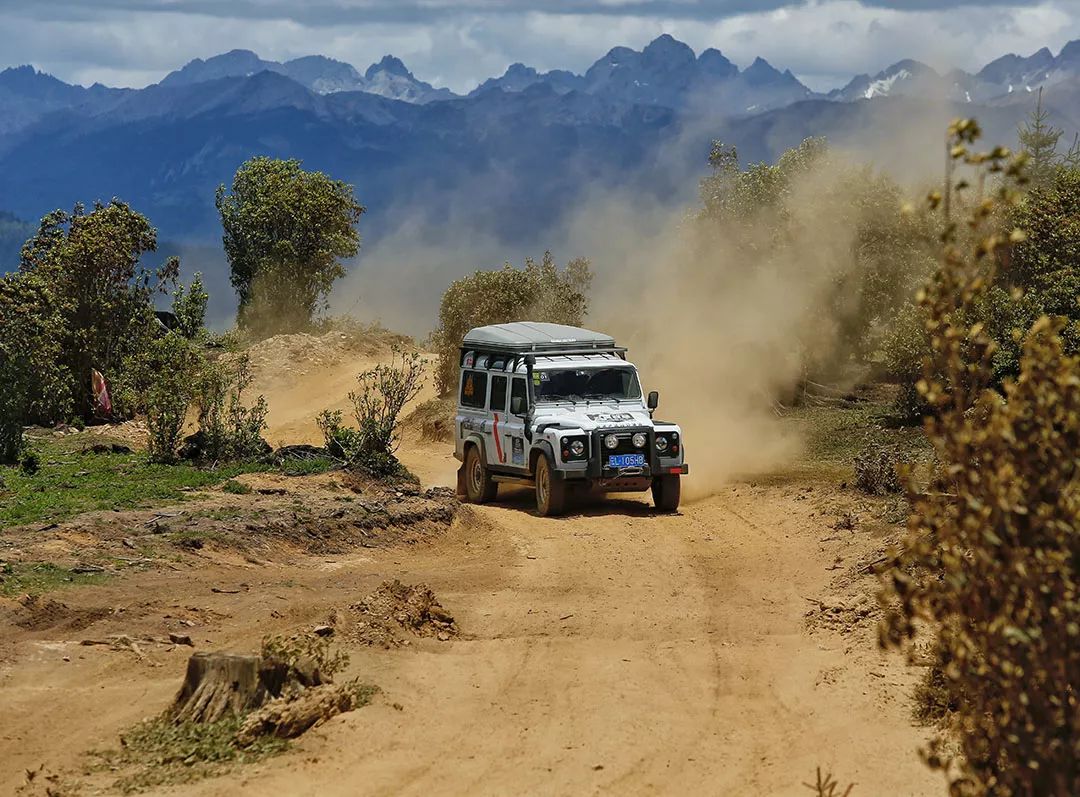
(591, 397)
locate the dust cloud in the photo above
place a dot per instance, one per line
(723, 331)
(720, 333)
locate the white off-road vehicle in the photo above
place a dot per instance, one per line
(558, 408)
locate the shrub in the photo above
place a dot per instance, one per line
(991, 570)
(538, 292)
(163, 379)
(383, 393)
(877, 470)
(228, 429)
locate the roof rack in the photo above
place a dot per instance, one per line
(533, 337)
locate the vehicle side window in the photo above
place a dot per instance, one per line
(517, 390)
(473, 389)
(498, 394)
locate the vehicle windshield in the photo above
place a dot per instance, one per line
(584, 384)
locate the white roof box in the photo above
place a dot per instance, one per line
(537, 336)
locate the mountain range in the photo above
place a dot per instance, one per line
(507, 162)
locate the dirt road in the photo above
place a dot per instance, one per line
(618, 652)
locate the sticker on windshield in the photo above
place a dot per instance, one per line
(614, 417)
(536, 378)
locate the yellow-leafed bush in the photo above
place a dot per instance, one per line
(989, 564)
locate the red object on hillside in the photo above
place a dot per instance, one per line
(101, 394)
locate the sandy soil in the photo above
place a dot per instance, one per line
(726, 650)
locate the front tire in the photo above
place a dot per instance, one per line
(479, 488)
(666, 492)
(550, 491)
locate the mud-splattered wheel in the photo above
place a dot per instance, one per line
(478, 484)
(550, 491)
(666, 492)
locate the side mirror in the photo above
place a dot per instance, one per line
(654, 400)
(517, 405)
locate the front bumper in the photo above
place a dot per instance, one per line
(655, 465)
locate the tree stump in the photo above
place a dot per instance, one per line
(225, 684)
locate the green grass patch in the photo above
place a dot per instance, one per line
(833, 436)
(233, 487)
(71, 482)
(37, 577)
(838, 434)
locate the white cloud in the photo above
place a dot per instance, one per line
(457, 44)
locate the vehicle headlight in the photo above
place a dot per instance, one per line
(577, 448)
(661, 443)
(640, 440)
(611, 441)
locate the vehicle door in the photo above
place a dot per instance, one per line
(512, 425)
(498, 400)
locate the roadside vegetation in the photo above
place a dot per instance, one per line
(71, 481)
(989, 570)
(381, 395)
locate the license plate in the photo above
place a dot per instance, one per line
(626, 460)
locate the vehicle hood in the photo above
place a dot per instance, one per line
(594, 416)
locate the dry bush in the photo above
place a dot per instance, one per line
(877, 470)
(382, 394)
(991, 569)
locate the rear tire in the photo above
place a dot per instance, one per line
(479, 488)
(666, 492)
(550, 491)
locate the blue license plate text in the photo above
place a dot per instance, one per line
(626, 460)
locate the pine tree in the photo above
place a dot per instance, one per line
(1040, 140)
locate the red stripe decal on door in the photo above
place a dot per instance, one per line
(498, 445)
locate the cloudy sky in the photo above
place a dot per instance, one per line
(457, 43)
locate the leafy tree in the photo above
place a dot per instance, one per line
(989, 568)
(538, 292)
(34, 385)
(91, 264)
(285, 231)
